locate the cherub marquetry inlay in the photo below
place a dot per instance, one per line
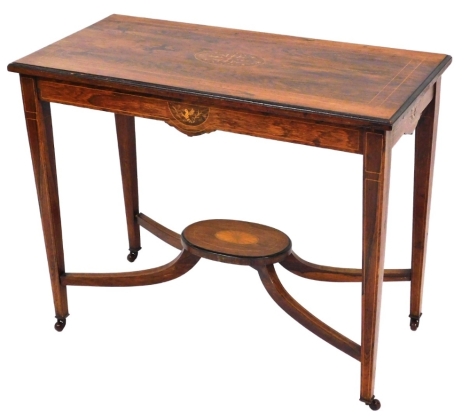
(189, 114)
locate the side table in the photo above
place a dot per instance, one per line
(198, 79)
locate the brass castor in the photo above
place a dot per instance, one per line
(374, 405)
(132, 256)
(60, 324)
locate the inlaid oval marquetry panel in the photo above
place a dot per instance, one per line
(237, 237)
(189, 114)
(235, 241)
(228, 59)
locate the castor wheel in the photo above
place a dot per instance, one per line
(414, 322)
(60, 324)
(132, 256)
(374, 405)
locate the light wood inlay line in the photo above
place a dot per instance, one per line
(403, 81)
(391, 80)
(394, 84)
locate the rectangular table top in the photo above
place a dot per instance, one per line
(357, 81)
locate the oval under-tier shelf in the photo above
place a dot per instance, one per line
(236, 242)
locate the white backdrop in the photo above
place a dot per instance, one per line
(212, 344)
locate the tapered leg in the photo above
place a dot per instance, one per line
(39, 126)
(425, 145)
(125, 127)
(377, 159)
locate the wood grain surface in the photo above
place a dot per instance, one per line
(371, 83)
(284, 128)
(236, 242)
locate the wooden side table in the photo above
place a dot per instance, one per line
(352, 98)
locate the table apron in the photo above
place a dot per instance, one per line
(193, 119)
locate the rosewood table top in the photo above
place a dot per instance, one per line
(366, 83)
